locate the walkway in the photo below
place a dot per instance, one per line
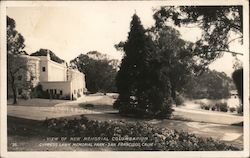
(199, 122)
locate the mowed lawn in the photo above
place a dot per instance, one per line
(99, 107)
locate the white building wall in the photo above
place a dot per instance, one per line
(43, 65)
(56, 71)
(64, 86)
(56, 78)
(52, 71)
(78, 82)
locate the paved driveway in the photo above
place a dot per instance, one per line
(200, 122)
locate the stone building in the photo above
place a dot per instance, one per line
(58, 80)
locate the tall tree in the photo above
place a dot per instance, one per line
(210, 84)
(99, 71)
(238, 80)
(176, 55)
(220, 25)
(142, 82)
(17, 67)
(217, 23)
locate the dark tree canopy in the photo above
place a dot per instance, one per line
(16, 64)
(43, 52)
(99, 71)
(142, 81)
(238, 80)
(15, 41)
(210, 84)
(176, 55)
(217, 23)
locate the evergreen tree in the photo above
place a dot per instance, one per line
(142, 82)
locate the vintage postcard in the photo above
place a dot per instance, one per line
(124, 78)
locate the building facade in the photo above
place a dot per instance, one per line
(57, 80)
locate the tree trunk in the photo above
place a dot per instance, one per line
(14, 96)
(173, 93)
(14, 90)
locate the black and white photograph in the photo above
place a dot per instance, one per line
(145, 77)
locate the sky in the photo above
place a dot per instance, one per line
(71, 30)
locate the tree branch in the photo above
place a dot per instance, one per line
(235, 39)
(236, 53)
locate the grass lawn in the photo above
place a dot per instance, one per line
(27, 134)
(37, 102)
(32, 135)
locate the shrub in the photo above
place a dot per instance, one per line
(25, 95)
(213, 108)
(207, 107)
(222, 106)
(78, 95)
(179, 100)
(204, 106)
(40, 93)
(232, 109)
(240, 109)
(163, 139)
(238, 81)
(66, 97)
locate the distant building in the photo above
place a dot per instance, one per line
(58, 80)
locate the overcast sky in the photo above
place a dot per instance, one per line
(70, 31)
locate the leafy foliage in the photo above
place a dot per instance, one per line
(238, 80)
(15, 41)
(100, 71)
(176, 55)
(17, 67)
(162, 139)
(44, 52)
(210, 84)
(142, 81)
(216, 22)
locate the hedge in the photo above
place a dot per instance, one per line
(163, 139)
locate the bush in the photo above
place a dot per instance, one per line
(204, 106)
(213, 108)
(78, 95)
(25, 95)
(179, 100)
(39, 93)
(222, 107)
(162, 139)
(232, 109)
(238, 81)
(240, 109)
(66, 97)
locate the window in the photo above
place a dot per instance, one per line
(74, 91)
(61, 93)
(55, 91)
(44, 69)
(19, 77)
